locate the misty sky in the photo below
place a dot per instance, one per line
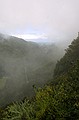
(46, 19)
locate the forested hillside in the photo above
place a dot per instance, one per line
(56, 101)
(70, 57)
(22, 65)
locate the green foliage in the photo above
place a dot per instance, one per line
(43, 98)
(53, 102)
(57, 102)
(1, 114)
(70, 57)
(19, 111)
(24, 64)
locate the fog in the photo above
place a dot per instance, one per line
(25, 64)
(44, 29)
(57, 19)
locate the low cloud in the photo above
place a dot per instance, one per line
(58, 19)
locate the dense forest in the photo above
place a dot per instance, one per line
(57, 100)
(22, 65)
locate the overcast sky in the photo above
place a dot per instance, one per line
(55, 19)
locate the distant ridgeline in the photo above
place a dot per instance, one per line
(58, 101)
(68, 60)
(22, 65)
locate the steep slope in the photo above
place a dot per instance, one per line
(71, 55)
(23, 64)
(52, 102)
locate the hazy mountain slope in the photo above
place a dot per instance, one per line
(58, 101)
(70, 57)
(23, 64)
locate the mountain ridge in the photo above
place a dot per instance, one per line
(20, 64)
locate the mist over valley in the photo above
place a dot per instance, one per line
(25, 64)
(39, 59)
